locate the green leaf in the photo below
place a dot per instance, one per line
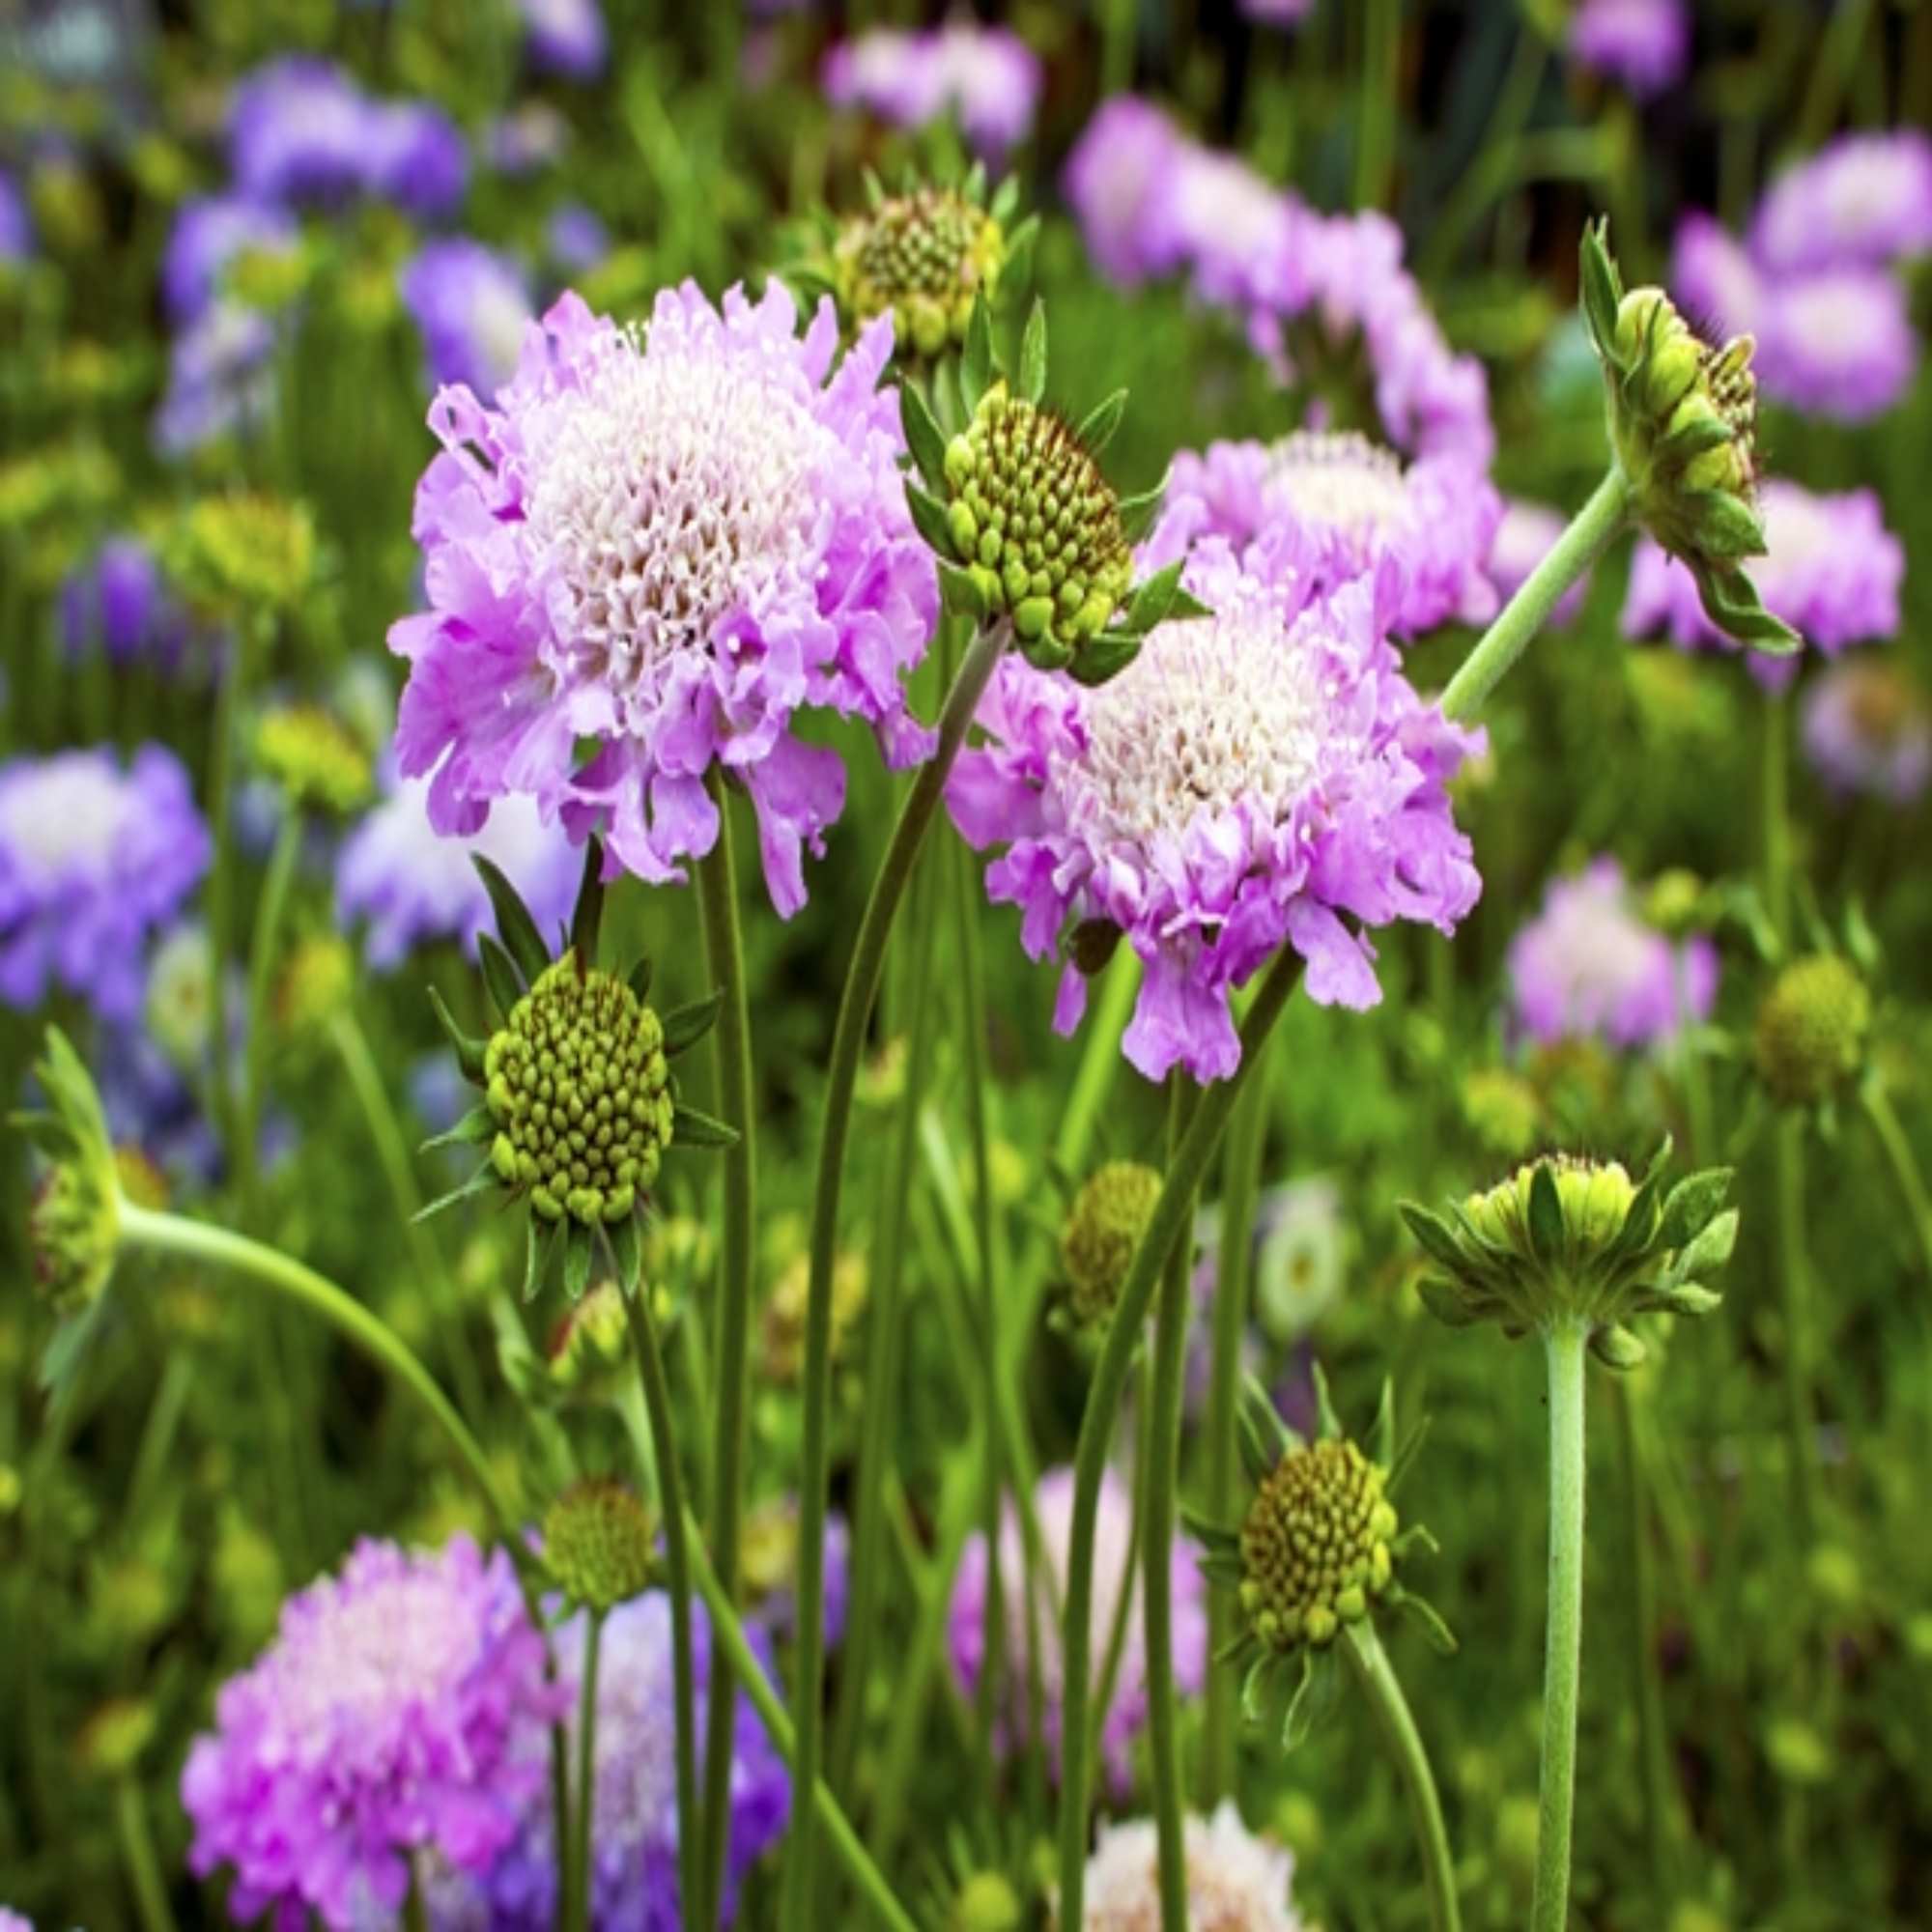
(476, 1128)
(627, 1254)
(959, 592)
(1324, 1406)
(924, 438)
(1711, 1246)
(1692, 1299)
(1601, 288)
(639, 981)
(1381, 1431)
(576, 1254)
(1447, 1304)
(1440, 1636)
(976, 362)
(1153, 599)
(469, 1052)
(692, 1128)
(1016, 268)
(1433, 1236)
(1187, 604)
(1546, 1215)
(1106, 657)
(499, 976)
(1252, 1686)
(586, 916)
(1397, 1466)
(1137, 513)
(685, 1026)
(522, 940)
(1617, 1348)
(929, 516)
(482, 1182)
(1033, 355)
(974, 187)
(1005, 199)
(874, 187)
(1097, 427)
(540, 1240)
(1731, 601)
(1690, 1204)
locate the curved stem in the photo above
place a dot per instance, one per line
(1905, 1170)
(849, 1038)
(1529, 610)
(724, 948)
(1653, 1748)
(1170, 1370)
(730, 1634)
(1241, 1183)
(677, 1568)
(137, 1852)
(1563, 1645)
(586, 1775)
(1173, 1213)
(1374, 1674)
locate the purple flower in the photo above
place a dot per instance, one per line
(1278, 12)
(669, 542)
(16, 225)
(415, 157)
(296, 131)
(116, 601)
(1525, 537)
(220, 379)
(1235, 1877)
(1712, 273)
(530, 137)
(1244, 239)
(1053, 1501)
(986, 76)
(1587, 966)
(94, 858)
(565, 36)
(1832, 571)
(1867, 728)
(575, 238)
(416, 886)
(401, 1708)
(473, 308)
(1644, 44)
(1347, 505)
(12, 1922)
(771, 1562)
(1116, 180)
(1248, 781)
(1837, 343)
(207, 235)
(1863, 201)
(634, 1816)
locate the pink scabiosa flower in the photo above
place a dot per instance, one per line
(1053, 1501)
(1587, 966)
(989, 78)
(1347, 504)
(1863, 201)
(1237, 1882)
(1525, 535)
(1247, 782)
(1867, 728)
(1836, 343)
(472, 307)
(1714, 275)
(400, 1710)
(95, 858)
(1643, 44)
(12, 1922)
(1832, 571)
(1117, 181)
(669, 542)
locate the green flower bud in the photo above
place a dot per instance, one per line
(1810, 1035)
(314, 758)
(1503, 1110)
(1674, 903)
(73, 1223)
(599, 1544)
(240, 554)
(114, 1739)
(921, 257)
(1314, 1545)
(588, 1356)
(1101, 1234)
(316, 985)
(986, 1902)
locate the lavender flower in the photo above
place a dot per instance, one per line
(208, 234)
(575, 238)
(1832, 571)
(1525, 536)
(1644, 44)
(1868, 729)
(118, 602)
(400, 1710)
(1248, 780)
(220, 379)
(416, 159)
(1278, 12)
(1244, 239)
(986, 76)
(1714, 275)
(473, 308)
(669, 541)
(12, 1922)
(93, 859)
(565, 36)
(530, 137)
(1863, 201)
(1053, 1501)
(416, 886)
(1345, 505)
(1116, 180)
(1588, 967)
(295, 132)
(1837, 343)
(1235, 1879)
(16, 226)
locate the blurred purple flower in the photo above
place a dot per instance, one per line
(94, 859)
(1644, 44)
(296, 131)
(117, 602)
(530, 137)
(220, 379)
(16, 226)
(1712, 274)
(1867, 728)
(1862, 201)
(565, 36)
(472, 306)
(986, 76)
(1587, 966)
(575, 238)
(1837, 343)
(1525, 537)
(1278, 12)
(417, 157)
(208, 232)
(1235, 1877)
(12, 1922)
(1053, 1502)
(1116, 180)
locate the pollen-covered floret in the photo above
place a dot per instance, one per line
(921, 257)
(1101, 1234)
(1811, 1027)
(599, 1544)
(1314, 1545)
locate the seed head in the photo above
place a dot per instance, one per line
(1810, 1035)
(1314, 1545)
(923, 257)
(1101, 1234)
(599, 1544)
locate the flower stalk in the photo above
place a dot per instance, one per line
(578, 1889)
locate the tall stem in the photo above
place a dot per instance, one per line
(1653, 1744)
(1775, 815)
(1905, 1170)
(1795, 1291)
(222, 876)
(1377, 119)
(848, 1040)
(1163, 1471)
(1172, 1217)
(1240, 1183)
(137, 1853)
(1565, 1343)
(1529, 610)
(677, 1574)
(587, 1775)
(262, 947)
(718, 898)
(1372, 1671)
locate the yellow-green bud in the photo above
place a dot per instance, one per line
(114, 1739)
(1811, 1027)
(313, 756)
(1101, 1234)
(599, 1544)
(242, 553)
(74, 1225)
(986, 1903)
(921, 257)
(589, 1352)
(1314, 1545)
(316, 985)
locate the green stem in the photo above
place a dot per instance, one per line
(1526, 612)
(1382, 77)
(1565, 1343)
(1836, 62)
(724, 948)
(415, 1912)
(1374, 1674)
(1163, 1471)
(1131, 1566)
(578, 1893)
(1775, 825)
(1794, 1290)
(730, 1634)
(848, 1040)
(137, 1852)
(677, 1574)
(270, 909)
(221, 878)
(1172, 1215)
(1653, 1743)
(1240, 1183)
(1904, 1163)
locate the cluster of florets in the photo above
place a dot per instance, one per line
(923, 258)
(579, 1089)
(241, 553)
(313, 756)
(599, 1543)
(1314, 1545)
(1101, 1234)
(1809, 1041)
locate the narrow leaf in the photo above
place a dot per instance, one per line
(1546, 1215)
(518, 930)
(469, 1052)
(1096, 430)
(1137, 513)
(929, 516)
(684, 1026)
(476, 1128)
(924, 438)
(976, 362)
(479, 1183)
(576, 1250)
(626, 1251)
(1033, 355)
(540, 1240)
(499, 976)
(692, 1128)
(639, 981)
(586, 917)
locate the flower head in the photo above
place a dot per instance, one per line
(1590, 965)
(94, 858)
(599, 1544)
(1117, 181)
(667, 542)
(472, 307)
(565, 36)
(1122, 1723)
(16, 226)
(923, 258)
(1347, 504)
(1863, 199)
(987, 78)
(1251, 777)
(1570, 1240)
(116, 600)
(313, 758)
(1809, 1039)
(220, 379)
(1868, 728)
(1644, 44)
(1837, 342)
(241, 553)
(399, 1712)
(1236, 1881)
(1100, 1234)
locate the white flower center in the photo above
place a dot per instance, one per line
(69, 820)
(1339, 480)
(1799, 531)
(669, 490)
